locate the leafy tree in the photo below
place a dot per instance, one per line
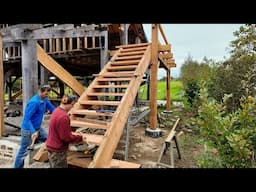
(236, 75)
(233, 135)
(192, 73)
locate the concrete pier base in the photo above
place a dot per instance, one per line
(153, 132)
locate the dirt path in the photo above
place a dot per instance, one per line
(146, 150)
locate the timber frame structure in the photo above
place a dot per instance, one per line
(117, 56)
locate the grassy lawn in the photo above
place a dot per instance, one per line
(176, 89)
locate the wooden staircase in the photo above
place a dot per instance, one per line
(104, 107)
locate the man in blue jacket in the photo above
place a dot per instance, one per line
(31, 123)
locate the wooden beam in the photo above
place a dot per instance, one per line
(167, 55)
(171, 63)
(163, 34)
(164, 48)
(91, 112)
(103, 49)
(59, 31)
(132, 45)
(77, 123)
(163, 61)
(168, 63)
(50, 64)
(29, 70)
(124, 34)
(1, 89)
(115, 163)
(153, 78)
(11, 44)
(173, 131)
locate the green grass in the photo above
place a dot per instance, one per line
(176, 89)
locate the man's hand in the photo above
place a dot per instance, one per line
(33, 137)
(81, 134)
(84, 138)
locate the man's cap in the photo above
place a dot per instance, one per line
(68, 99)
(45, 87)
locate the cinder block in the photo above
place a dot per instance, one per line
(8, 150)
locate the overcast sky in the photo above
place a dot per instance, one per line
(196, 40)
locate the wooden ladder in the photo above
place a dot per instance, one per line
(104, 107)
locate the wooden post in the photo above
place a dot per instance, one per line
(153, 78)
(1, 89)
(104, 49)
(124, 34)
(43, 75)
(168, 91)
(29, 70)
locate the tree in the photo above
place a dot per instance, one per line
(236, 75)
(192, 73)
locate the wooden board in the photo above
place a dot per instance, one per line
(50, 64)
(42, 154)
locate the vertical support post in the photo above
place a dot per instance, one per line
(168, 89)
(124, 34)
(29, 70)
(1, 89)
(104, 48)
(148, 87)
(153, 131)
(127, 138)
(43, 75)
(153, 78)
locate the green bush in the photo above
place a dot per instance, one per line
(233, 134)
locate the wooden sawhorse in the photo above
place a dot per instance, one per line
(168, 145)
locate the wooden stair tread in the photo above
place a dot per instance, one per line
(78, 159)
(133, 45)
(104, 94)
(131, 53)
(118, 74)
(111, 86)
(122, 63)
(129, 57)
(127, 67)
(92, 112)
(92, 102)
(93, 120)
(133, 49)
(81, 160)
(93, 139)
(114, 79)
(77, 123)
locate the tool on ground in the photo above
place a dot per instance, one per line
(34, 136)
